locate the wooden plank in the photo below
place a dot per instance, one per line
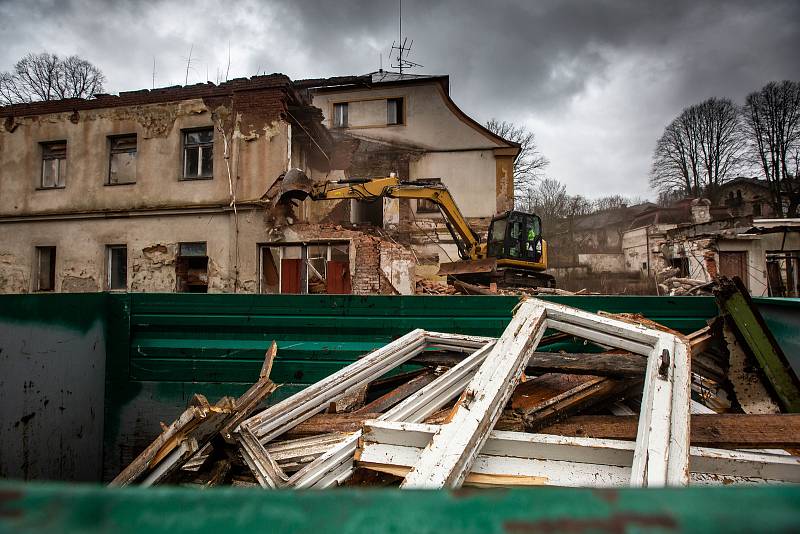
(743, 431)
(331, 422)
(393, 397)
(449, 457)
(600, 364)
(599, 390)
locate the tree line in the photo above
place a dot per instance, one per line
(716, 140)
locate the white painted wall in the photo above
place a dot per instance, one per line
(470, 177)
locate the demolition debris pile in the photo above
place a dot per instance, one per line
(441, 410)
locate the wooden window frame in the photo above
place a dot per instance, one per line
(201, 149)
(61, 179)
(112, 151)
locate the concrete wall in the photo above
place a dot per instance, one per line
(259, 160)
(470, 177)
(598, 263)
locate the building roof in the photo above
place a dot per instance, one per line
(739, 180)
(278, 82)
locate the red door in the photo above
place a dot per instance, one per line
(290, 276)
(338, 281)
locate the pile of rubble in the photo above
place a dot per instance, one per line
(439, 410)
(671, 284)
(430, 287)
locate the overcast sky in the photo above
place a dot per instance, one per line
(596, 81)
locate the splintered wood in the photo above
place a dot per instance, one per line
(439, 410)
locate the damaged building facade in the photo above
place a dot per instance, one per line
(164, 190)
(409, 125)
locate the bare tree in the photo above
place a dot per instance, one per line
(46, 76)
(772, 123)
(530, 163)
(699, 150)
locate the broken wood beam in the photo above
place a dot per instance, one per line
(601, 364)
(327, 423)
(729, 431)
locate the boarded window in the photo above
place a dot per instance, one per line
(45, 268)
(122, 160)
(394, 111)
(198, 154)
(54, 164)
(191, 268)
(314, 268)
(117, 267)
(340, 115)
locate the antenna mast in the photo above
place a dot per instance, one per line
(403, 48)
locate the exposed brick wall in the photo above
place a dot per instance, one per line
(366, 278)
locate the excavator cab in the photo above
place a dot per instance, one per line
(515, 235)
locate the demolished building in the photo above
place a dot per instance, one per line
(164, 190)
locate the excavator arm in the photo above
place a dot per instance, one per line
(295, 185)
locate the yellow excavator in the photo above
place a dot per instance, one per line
(513, 254)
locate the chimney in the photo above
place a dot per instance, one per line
(701, 210)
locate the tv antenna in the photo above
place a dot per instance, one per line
(403, 48)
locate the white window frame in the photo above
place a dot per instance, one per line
(61, 166)
(201, 148)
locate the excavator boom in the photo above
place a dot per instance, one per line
(514, 253)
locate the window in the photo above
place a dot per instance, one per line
(394, 111)
(427, 206)
(340, 115)
(122, 160)
(757, 209)
(191, 268)
(54, 165)
(198, 154)
(117, 267)
(314, 268)
(45, 268)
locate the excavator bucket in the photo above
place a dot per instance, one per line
(488, 265)
(290, 186)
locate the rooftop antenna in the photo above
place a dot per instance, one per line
(403, 48)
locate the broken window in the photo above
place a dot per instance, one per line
(122, 160)
(425, 205)
(682, 264)
(191, 268)
(198, 154)
(783, 273)
(340, 115)
(315, 268)
(394, 111)
(54, 165)
(117, 267)
(45, 268)
(367, 211)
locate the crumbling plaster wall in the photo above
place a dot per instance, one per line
(152, 244)
(257, 149)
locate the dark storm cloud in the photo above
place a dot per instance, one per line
(596, 80)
